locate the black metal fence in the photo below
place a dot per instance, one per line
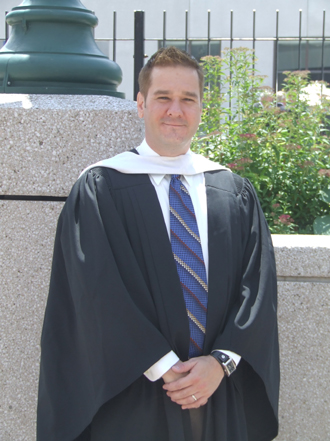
(213, 45)
(139, 53)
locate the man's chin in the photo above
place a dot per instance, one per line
(175, 137)
(173, 147)
(175, 141)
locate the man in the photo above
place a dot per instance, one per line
(161, 318)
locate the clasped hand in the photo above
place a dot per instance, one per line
(198, 377)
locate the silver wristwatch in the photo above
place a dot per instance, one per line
(227, 363)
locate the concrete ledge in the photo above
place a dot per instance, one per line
(302, 257)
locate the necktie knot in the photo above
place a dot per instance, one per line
(176, 177)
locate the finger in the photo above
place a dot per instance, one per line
(180, 384)
(185, 366)
(181, 394)
(195, 405)
(190, 400)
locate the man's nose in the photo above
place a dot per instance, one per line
(175, 108)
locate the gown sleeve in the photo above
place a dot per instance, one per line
(251, 325)
(99, 334)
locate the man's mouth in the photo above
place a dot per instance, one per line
(174, 124)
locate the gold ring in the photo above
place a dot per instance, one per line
(194, 397)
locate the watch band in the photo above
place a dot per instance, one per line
(227, 363)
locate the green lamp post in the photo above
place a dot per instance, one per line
(51, 50)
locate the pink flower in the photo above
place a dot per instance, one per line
(245, 161)
(285, 219)
(248, 135)
(305, 164)
(324, 172)
(232, 165)
(293, 147)
(276, 205)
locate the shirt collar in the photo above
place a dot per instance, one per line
(145, 150)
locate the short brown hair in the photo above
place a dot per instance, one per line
(169, 56)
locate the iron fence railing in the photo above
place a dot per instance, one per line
(139, 40)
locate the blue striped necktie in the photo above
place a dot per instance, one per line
(187, 252)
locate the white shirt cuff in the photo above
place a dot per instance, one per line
(157, 370)
(235, 357)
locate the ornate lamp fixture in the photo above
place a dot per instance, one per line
(51, 50)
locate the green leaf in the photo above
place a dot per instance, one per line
(325, 195)
(321, 225)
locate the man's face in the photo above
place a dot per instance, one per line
(172, 109)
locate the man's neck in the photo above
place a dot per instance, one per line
(169, 150)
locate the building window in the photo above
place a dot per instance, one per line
(310, 59)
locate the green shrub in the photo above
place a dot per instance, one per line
(285, 153)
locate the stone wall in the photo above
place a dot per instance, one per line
(45, 142)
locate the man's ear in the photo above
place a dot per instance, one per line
(140, 104)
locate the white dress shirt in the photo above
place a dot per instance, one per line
(195, 184)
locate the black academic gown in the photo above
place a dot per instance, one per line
(115, 307)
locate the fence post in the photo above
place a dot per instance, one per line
(138, 48)
(209, 32)
(299, 47)
(275, 77)
(6, 28)
(164, 28)
(254, 40)
(231, 55)
(114, 35)
(323, 41)
(186, 32)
